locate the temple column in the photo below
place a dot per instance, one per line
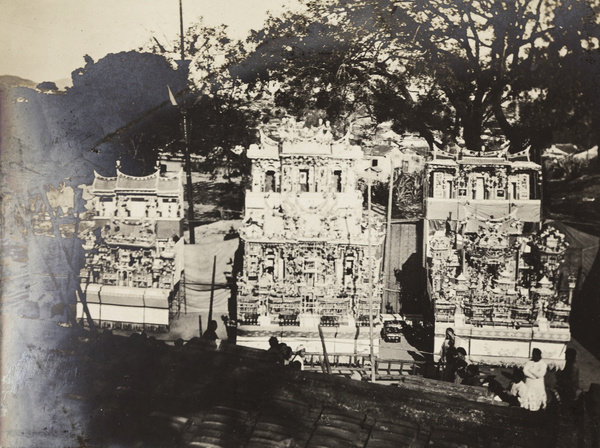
(280, 266)
(339, 269)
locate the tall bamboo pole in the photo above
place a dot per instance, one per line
(388, 235)
(370, 276)
(212, 290)
(326, 367)
(188, 162)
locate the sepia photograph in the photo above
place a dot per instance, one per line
(299, 223)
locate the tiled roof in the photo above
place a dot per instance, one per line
(484, 161)
(236, 397)
(102, 183)
(146, 183)
(522, 164)
(378, 150)
(155, 182)
(168, 184)
(569, 148)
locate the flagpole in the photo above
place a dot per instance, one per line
(181, 29)
(370, 276)
(188, 162)
(189, 186)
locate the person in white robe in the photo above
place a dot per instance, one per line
(535, 371)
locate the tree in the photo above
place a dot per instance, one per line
(210, 52)
(220, 124)
(121, 106)
(215, 100)
(114, 109)
(568, 106)
(492, 57)
(47, 86)
(444, 69)
(329, 58)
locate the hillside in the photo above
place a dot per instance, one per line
(15, 81)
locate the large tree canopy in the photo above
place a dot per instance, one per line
(523, 70)
(490, 57)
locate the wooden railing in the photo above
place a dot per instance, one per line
(384, 369)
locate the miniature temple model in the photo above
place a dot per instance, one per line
(492, 269)
(307, 244)
(134, 255)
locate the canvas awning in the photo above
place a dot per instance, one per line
(122, 295)
(92, 292)
(156, 298)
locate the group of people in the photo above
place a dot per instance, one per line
(453, 362)
(528, 387)
(282, 354)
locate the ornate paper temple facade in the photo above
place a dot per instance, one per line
(492, 270)
(134, 254)
(307, 245)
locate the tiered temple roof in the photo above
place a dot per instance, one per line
(168, 184)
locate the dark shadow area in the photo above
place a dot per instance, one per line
(238, 264)
(419, 336)
(221, 194)
(142, 392)
(575, 200)
(585, 311)
(404, 272)
(411, 280)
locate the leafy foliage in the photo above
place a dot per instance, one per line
(523, 70)
(124, 98)
(215, 102)
(408, 194)
(219, 125)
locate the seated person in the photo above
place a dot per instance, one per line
(471, 377)
(460, 363)
(285, 353)
(210, 334)
(297, 362)
(274, 352)
(518, 389)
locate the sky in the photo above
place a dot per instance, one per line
(45, 40)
